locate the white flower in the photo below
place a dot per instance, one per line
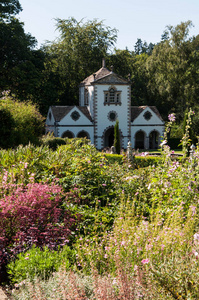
(163, 143)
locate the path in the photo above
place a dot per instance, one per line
(3, 295)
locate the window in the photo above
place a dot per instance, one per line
(112, 96)
(75, 115)
(147, 115)
(86, 97)
(112, 115)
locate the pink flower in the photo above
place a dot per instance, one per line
(196, 238)
(145, 261)
(104, 184)
(171, 117)
(196, 254)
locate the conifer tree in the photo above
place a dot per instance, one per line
(117, 137)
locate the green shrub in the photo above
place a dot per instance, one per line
(6, 128)
(54, 142)
(117, 137)
(40, 263)
(112, 158)
(142, 162)
(27, 123)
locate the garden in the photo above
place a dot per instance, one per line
(76, 223)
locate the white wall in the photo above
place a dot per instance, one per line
(103, 122)
(147, 130)
(83, 123)
(50, 122)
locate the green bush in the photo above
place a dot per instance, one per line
(142, 162)
(54, 142)
(40, 263)
(27, 124)
(6, 128)
(117, 137)
(112, 158)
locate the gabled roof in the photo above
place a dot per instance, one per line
(137, 110)
(104, 76)
(59, 112)
(98, 75)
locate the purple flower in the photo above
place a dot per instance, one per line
(171, 117)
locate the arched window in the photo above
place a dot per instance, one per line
(83, 134)
(139, 139)
(154, 139)
(68, 134)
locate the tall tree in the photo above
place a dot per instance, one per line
(20, 64)
(171, 71)
(117, 137)
(9, 8)
(78, 53)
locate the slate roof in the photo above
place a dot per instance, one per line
(96, 76)
(59, 112)
(137, 110)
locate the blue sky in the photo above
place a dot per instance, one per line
(145, 19)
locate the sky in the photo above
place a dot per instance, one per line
(144, 19)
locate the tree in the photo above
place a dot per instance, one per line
(20, 65)
(9, 8)
(173, 79)
(22, 123)
(122, 61)
(77, 54)
(117, 137)
(6, 128)
(141, 47)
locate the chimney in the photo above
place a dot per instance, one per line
(103, 63)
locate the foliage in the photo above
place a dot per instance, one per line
(7, 126)
(9, 8)
(175, 143)
(112, 158)
(22, 122)
(41, 263)
(144, 161)
(75, 55)
(53, 142)
(117, 137)
(32, 215)
(20, 66)
(138, 231)
(171, 72)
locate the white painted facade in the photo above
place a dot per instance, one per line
(105, 97)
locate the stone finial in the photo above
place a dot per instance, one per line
(103, 63)
(113, 150)
(112, 68)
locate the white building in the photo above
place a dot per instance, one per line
(105, 97)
